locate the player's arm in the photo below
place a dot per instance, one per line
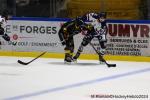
(61, 36)
(1, 28)
(104, 27)
(4, 36)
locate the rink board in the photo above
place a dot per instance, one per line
(83, 56)
(127, 39)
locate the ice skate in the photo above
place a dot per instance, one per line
(68, 59)
(101, 62)
(74, 60)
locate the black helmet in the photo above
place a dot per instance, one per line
(102, 14)
(5, 13)
(99, 15)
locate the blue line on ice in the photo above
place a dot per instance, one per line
(61, 88)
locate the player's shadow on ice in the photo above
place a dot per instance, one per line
(78, 64)
(10, 65)
(9, 74)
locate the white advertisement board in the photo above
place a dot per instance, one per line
(129, 39)
(33, 36)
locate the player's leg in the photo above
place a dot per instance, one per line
(80, 49)
(69, 50)
(102, 42)
(84, 43)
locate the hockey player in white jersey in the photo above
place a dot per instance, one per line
(98, 21)
(3, 21)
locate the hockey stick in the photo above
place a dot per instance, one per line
(26, 63)
(109, 65)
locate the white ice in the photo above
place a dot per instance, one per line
(51, 79)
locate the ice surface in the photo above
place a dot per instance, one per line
(51, 79)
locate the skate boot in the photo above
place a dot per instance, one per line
(68, 58)
(76, 57)
(101, 59)
(101, 62)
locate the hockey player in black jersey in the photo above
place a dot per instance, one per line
(98, 21)
(66, 33)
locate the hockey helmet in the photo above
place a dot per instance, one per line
(101, 17)
(102, 14)
(5, 14)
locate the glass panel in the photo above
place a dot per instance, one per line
(116, 9)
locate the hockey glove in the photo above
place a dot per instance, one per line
(6, 37)
(63, 43)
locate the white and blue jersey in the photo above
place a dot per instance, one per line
(99, 27)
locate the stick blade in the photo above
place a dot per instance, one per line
(111, 65)
(23, 63)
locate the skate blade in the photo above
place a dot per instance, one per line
(74, 61)
(102, 63)
(68, 63)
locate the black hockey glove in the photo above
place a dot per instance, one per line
(63, 43)
(6, 37)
